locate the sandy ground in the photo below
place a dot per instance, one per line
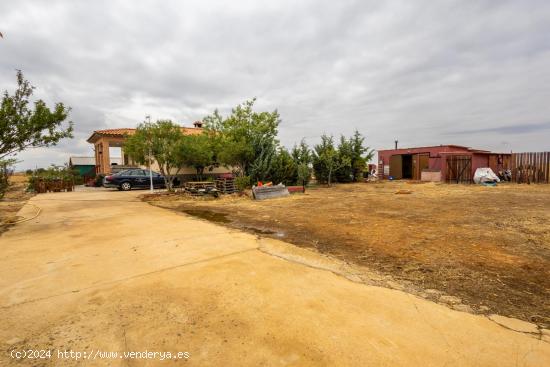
(483, 249)
(101, 270)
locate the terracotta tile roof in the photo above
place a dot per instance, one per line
(122, 131)
(129, 131)
(191, 130)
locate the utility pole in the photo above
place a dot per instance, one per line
(149, 143)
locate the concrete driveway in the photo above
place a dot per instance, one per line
(99, 273)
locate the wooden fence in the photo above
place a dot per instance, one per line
(532, 167)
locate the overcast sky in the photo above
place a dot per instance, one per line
(424, 72)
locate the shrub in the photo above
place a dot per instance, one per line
(59, 176)
(304, 174)
(99, 180)
(242, 183)
(5, 173)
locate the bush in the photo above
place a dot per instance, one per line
(58, 177)
(242, 183)
(5, 173)
(304, 174)
(99, 180)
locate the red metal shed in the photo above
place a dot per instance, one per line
(450, 163)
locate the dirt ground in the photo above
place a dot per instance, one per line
(486, 248)
(103, 274)
(15, 197)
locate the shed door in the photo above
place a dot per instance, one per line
(396, 166)
(459, 169)
(421, 162)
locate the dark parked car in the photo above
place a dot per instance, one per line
(134, 178)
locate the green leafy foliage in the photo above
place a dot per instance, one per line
(283, 168)
(243, 182)
(98, 182)
(197, 151)
(327, 160)
(5, 172)
(261, 168)
(360, 156)
(301, 153)
(245, 140)
(346, 163)
(303, 158)
(23, 125)
(160, 141)
(304, 174)
(344, 172)
(53, 173)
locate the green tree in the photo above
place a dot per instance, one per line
(326, 160)
(261, 167)
(304, 174)
(301, 153)
(160, 141)
(303, 158)
(5, 172)
(246, 139)
(283, 168)
(360, 157)
(23, 125)
(344, 173)
(197, 151)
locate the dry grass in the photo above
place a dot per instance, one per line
(15, 197)
(489, 246)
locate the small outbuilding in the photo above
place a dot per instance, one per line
(448, 163)
(85, 166)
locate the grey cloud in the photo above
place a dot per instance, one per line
(511, 129)
(416, 71)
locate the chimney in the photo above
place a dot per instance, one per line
(197, 124)
(396, 141)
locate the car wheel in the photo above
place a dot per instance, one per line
(126, 186)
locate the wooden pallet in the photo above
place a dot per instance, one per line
(226, 185)
(195, 188)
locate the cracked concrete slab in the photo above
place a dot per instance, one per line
(102, 270)
(515, 324)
